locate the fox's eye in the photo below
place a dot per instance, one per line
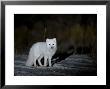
(52, 44)
(49, 44)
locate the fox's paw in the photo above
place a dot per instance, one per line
(50, 66)
(44, 65)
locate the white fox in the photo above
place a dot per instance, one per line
(42, 49)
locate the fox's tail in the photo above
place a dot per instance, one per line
(29, 61)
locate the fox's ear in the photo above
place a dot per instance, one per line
(54, 39)
(47, 40)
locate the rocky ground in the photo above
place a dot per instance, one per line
(74, 65)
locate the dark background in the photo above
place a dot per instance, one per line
(74, 32)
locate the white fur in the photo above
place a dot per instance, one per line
(42, 49)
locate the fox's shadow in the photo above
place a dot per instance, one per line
(59, 56)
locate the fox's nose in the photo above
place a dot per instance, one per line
(52, 47)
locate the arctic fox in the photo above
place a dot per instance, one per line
(42, 49)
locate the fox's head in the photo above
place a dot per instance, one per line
(51, 43)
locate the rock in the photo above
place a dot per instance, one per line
(71, 66)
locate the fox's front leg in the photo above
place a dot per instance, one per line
(45, 61)
(50, 61)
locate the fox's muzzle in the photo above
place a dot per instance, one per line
(52, 47)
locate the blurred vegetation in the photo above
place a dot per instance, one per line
(74, 32)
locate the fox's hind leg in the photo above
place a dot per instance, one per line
(35, 58)
(39, 60)
(35, 63)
